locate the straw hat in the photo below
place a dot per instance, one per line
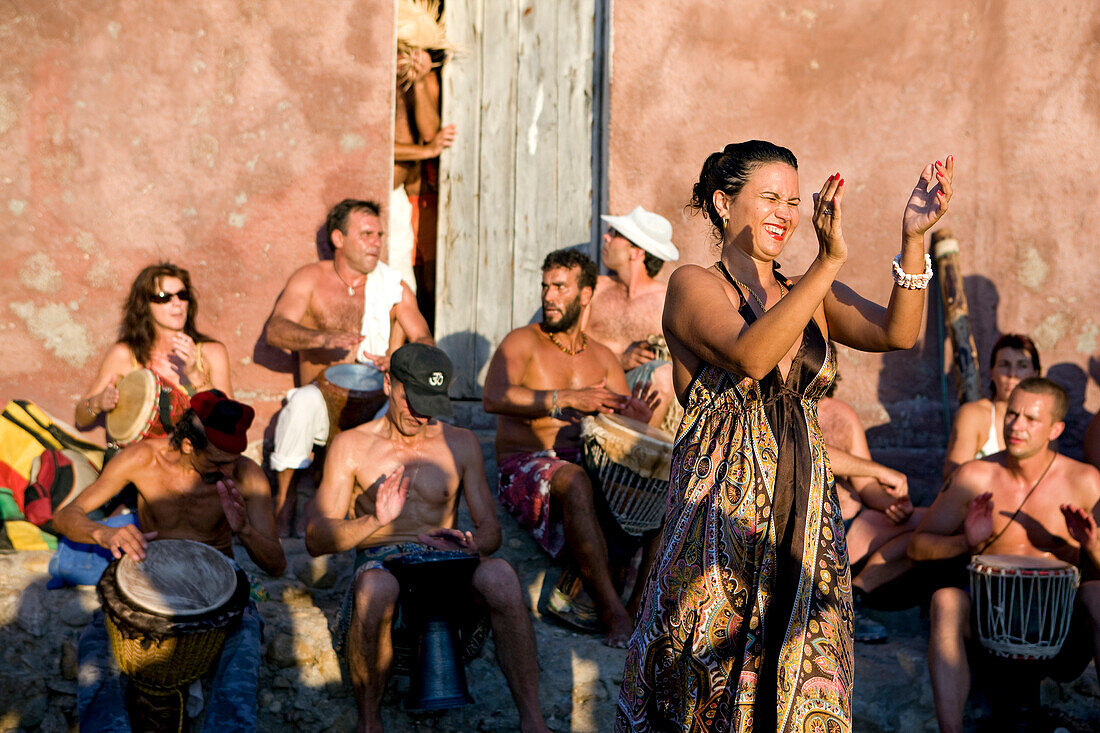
(419, 25)
(650, 231)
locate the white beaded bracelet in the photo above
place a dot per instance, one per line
(912, 282)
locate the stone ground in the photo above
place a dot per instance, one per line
(301, 686)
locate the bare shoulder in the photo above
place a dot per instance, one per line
(975, 477)
(1082, 477)
(119, 357)
(519, 341)
(246, 471)
(838, 410)
(972, 412)
(687, 275)
(214, 349)
(462, 442)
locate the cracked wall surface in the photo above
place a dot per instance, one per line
(215, 135)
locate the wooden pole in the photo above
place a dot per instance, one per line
(956, 315)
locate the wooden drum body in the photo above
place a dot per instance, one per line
(136, 412)
(1022, 605)
(353, 394)
(435, 586)
(167, 616)
(631, 461)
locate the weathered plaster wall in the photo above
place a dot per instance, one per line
(876, 89)
(213, 134)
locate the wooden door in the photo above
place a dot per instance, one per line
(519, 180)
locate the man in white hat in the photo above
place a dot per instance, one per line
(625, 312)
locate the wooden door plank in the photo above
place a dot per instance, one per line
(459, 178)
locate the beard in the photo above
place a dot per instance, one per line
(568, 318)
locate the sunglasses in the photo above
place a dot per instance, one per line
(163, 297)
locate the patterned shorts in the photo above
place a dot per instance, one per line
(525, 492)
(473, 627)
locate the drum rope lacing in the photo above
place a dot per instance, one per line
(1020, 507)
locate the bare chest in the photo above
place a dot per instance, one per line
(551, 368)
(335, 310)
(618, 320)
(191, 511)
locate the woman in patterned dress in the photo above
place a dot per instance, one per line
(746, 621)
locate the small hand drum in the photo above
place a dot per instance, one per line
(1023, 605)
(135, 415)
(434, 585)
(167, 616)
(632, 462)
(353, 394)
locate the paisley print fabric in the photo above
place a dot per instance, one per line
(746, 623)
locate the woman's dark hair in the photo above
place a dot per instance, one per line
(728, 170)
(189, 427)
(137, 330)
(1014, 341)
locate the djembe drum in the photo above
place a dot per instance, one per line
(631, 462)
(135, 415)
(434, 588)
(1022, 608)
(628, 463)
(1022, 604)
(167, 618)
(353, 394)
(671, 422)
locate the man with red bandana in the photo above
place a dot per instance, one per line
(192, 485)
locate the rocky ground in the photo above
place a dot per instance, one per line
(301, 685)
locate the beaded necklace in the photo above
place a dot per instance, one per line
(565, 349)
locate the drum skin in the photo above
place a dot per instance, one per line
(1022, 605)
(168, 651)
(630, 462)
(136, 410)
(353, 394)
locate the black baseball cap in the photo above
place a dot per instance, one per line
(425, 372)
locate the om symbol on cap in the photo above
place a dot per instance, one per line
(436, 380)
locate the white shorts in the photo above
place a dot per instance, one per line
(303, 423)
(400, 236)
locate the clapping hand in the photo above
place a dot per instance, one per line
(826, 220)
(236, 513)
(391, 497)
(1082, 527)
(642, 402)
(928, 202)
(978, 524)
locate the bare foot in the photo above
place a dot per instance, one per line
(619, 629)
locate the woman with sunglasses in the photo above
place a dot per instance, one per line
(158, 333)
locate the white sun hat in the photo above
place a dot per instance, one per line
(650, 231)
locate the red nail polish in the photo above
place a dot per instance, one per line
(841, 182)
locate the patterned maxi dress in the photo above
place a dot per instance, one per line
(746, 623)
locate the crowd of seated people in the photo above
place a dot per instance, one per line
(394, 483)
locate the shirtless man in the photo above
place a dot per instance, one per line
(627, 305)
(320, 315)
(418, 135)
(192, 485)
(1025, 500)
(541, 381)
(392, 485)
(875, 504)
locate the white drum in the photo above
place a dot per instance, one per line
(1022, 605)
(632, 462)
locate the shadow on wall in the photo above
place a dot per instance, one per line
(1074, 380)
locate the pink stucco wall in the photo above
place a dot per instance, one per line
(213, 134)
(875, 89)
